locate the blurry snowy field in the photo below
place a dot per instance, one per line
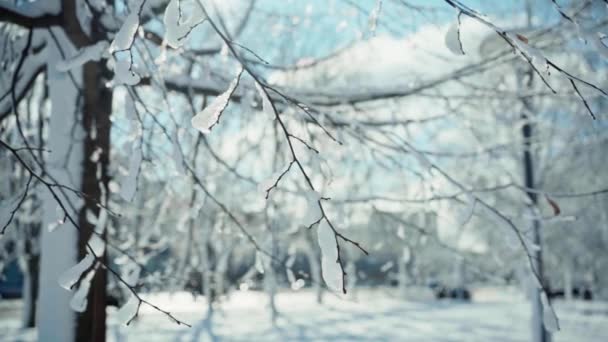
(376, 315)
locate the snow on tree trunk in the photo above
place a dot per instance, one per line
(58, 239)
(539, 333)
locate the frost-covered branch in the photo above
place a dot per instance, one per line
(269, 107)
(533, 56)
(93, 250)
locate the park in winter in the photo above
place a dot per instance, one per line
(303, 170)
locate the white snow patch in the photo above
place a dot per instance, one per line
(124, 38)
(452, 39)
(128, 310)
(313, 211)
(331, 269)
(124, 74)
(71, 276)
(207, 118)
(79, 301)
(176, 28)
(89, 53)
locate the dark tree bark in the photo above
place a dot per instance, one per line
(97, 100)
(528, 168)
(96, 117)
(33, 268)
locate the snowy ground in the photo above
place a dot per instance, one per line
(377, 315)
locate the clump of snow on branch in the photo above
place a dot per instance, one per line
(126, 312)
(99, 222)
(452, 38)
(86, 54)
(550, 320)
(79, 301)
(313, 212)
(71, 276)
(97, 244)
(176, 26)
(124, 74)
(125, 36)
(330, 268)
(209, 116)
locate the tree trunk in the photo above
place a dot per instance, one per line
(80, 124)
(30, 289)
(91, 325)
(540, 334)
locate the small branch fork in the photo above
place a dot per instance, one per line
(276, 183)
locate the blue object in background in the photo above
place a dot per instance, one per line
(11, 281)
